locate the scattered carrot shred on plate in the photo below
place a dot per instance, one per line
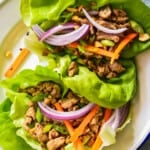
(78, 144)
(17, 62)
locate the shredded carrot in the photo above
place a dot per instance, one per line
(122, 44)
(107, 115)
(84, 123)
(92, 49)
(77, 143)
(73, 45)
(98, 142)
(98, 51)
(17, 62)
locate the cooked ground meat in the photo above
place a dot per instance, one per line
(106, 16)
(110, 18)
(53, 139)
(56, 143)
(72, 69)
(50, 89)
(52, 134)
(110, 70)
(102, 67)
(105, 12)
(102, 36)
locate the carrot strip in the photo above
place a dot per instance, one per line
(77, 143)
(122, 44)
(73, 45)
(98, 142)
(17, 62)
(92, 49)
(107, 115)
(84, 123)
(98, 51)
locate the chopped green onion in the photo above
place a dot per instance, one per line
(108, 43)
(60, 129)
(136, 27)
(47, 128)
(39, 115)
(38, 97)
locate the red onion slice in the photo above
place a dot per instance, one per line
(37, 30)
(57, 29)
(58, 115)
(100, 27)
(119, 116)
(65, 39)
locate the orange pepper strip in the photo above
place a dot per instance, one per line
(84, 123)
(17, 62)
(98, 142)
(77, 143)
(122, 44)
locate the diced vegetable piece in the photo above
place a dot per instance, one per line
(108, 43)
(136, 27)
(39, 115)
(47, 128)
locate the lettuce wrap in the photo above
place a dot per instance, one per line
(47, 13)
(14, 112)
(111, 93)
(18, 102)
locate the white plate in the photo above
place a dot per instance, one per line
(11, 37)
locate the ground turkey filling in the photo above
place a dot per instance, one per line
(52, 134)
(108, 17)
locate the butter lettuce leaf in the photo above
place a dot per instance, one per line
(111, 93)
(34, 11)
(8, 130)
(28, 139)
